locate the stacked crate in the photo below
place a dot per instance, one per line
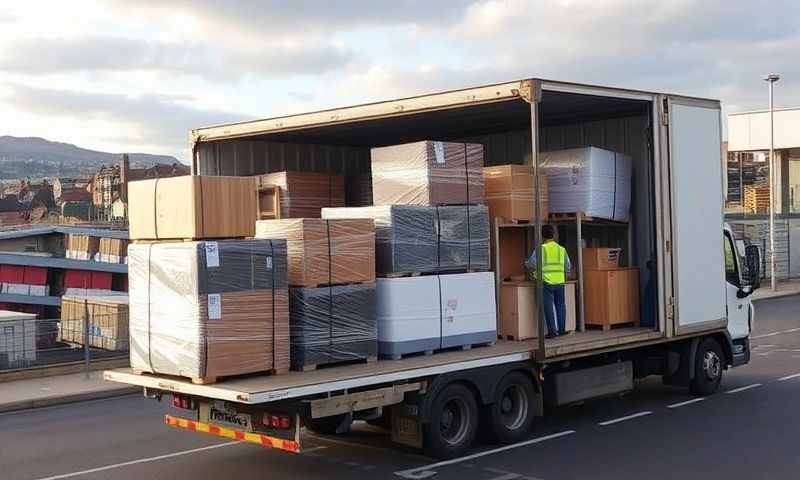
(105, 316)
(510, 194)
(612, 292)
(756, 198)
(331, 275)
(432, 247)
(299, 194)
(205, 302)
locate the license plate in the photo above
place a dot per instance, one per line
(239, 421)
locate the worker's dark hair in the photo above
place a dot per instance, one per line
(548, 232)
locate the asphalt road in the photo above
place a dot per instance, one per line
(748, 430)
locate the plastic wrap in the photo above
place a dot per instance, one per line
(107, 317)
(591, 180)
(81, 247)
(303, 194)
(510, 193)
(358, 190)
(332, 324)
(113, 250)
(448, 311)
(427, 173)
(210, 308)
(424, 239)
(325, 252)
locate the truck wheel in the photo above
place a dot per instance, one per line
(708, 365)
(453, 422)
(333, 425)
(509, 417)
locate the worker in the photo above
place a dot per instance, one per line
(555, 266)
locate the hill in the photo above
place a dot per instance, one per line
(37, 157)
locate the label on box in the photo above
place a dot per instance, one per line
(212, 254)
(214, 306)
(438, 151)
(268, 261)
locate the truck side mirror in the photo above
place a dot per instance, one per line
(753, 260)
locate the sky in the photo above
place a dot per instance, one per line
(137, 75)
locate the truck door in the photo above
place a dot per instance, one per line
(694, 156)
(738, 308)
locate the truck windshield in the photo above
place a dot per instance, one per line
(731, 270)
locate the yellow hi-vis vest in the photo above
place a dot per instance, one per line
(554, 263)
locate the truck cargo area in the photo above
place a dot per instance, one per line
(568, 117)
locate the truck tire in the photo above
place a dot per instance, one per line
(709, 362)
(334, 425)
(453, 424)
(510, 416)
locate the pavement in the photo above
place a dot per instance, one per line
(57, 390)
(785, 288)
(747, 430)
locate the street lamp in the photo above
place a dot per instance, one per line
(771, 79)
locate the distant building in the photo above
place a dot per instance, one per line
(110, 185)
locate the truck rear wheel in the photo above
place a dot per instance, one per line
(509, 417)
(453, 422)
(709, 362)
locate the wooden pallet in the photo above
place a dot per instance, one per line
(426, 353)
(514, 221)
(310, 367)
(209, 380)
(573, 217)
(606, 327)
(423, 274)
(177, 240)
(324, 285)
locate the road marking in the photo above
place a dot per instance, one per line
(622, 419)
(742, 389)
(687, 402)
(771, 334)
(138, 461)
(789, 377)
(791, 330)
(764, 346)
(312, 449)
(347, 444)
(428, 470)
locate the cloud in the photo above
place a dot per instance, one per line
(215, 62)
(155, 119)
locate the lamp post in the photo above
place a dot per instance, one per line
(771, 79)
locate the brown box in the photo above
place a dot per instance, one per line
(107, 317)
(611, 297)
(113, 250)
(324, 252)
(82, 247)
(427, 173)
(192, 207)
(601, 258)
(518, 310)
(510, 193)
(303, 194)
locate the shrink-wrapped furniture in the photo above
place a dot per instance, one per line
(590, 180)
(332, 324)
(455, 310)
(420, 239)
(192, 207)
(427, 173)
(325, 252)
(107, 317)
(209, 309)
(303, 194)
(510, 193)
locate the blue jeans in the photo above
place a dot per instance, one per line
(555, 309)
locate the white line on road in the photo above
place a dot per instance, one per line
(622, 419)
(742, 389)
(427, 470)
(687, 402)
(765, 335)
(789, 377)
(141, 460)
(791, 330)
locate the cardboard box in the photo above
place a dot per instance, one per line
(601, 258)
(325, 252)
(208, 309)
(510, 193)
(303, 194)
(427, 173)
(113, 250)
(192, 207)
(518, 310)
(611, 297)
(107, 317)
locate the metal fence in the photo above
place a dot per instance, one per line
(27, 343)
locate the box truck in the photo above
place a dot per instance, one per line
(696, 277)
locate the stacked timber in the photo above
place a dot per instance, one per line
(302, 194)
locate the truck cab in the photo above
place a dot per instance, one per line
(742, 278)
